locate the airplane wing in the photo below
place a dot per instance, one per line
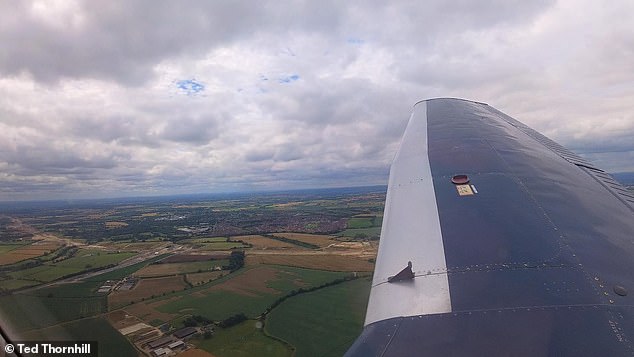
(497, 241)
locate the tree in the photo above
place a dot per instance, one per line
(233, 320)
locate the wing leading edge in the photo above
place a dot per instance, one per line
(532, 256)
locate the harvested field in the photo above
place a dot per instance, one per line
(321, 240)
(199, 278)
(147, 312)
(250, 283)
(261, 242)
(183, 258)
(329, 262)
(115, 224)
(145, 289)
(120, 319)
(28, 252)
(116, 316)
(348, 246)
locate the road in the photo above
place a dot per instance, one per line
(167, 248)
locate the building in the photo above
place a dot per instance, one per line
(161, 342)
(161, 352)
(176, 345)
(185, 332)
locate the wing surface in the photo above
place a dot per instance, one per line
(533, 256)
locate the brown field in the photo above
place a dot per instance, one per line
(28, 252)
(260, 242)
(185, 258)
(321, 240)
(195, 278)
(115, 224)
(330, 262)
(145, 289)
(120, 319)
(148, 312)
(248, 283)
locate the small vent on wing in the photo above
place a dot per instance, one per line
(405, 274)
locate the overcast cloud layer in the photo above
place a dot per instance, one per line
(115, 98)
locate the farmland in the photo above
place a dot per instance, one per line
(199, 278)
(155, 270)
(146, 288)
(331, 262)
(162, 261)
(83, 260)
(221, 246)
(340, 320)
(316, 239)
(26, 312)
(245, 339)
(261, 242)
(86, 330)
(249, 292)
(13, 253)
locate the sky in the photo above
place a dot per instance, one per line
(133, 98)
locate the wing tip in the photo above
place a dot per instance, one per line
(450, 98)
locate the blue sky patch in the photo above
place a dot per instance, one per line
(355, 41)
(289, 79)
(190, 86)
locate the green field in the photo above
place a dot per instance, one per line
(86, 259)
(74, 290)
(243, 340)
(26, 312)
(111, 342)
(165, 269)
(324, 322)
(83, 260)
(9, 247)
(12, 284)
(64, 302)
(371, 233)
(220, 304)
(123, 272)
(360, 222)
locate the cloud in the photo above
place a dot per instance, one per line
(136, 98)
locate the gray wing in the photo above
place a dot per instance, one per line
(517, 246)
